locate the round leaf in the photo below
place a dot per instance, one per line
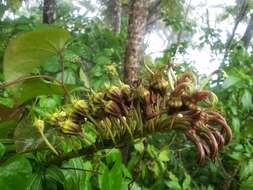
(32, 49)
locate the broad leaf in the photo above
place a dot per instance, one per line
(36, 87)
(77, 179)
(32, 49)
(246, 100)
(35, 182)
(27, 137)
(232, 80)
(15, 173)
(2, 150)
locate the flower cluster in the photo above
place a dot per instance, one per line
(157, 103)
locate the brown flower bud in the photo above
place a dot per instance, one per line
(115, 94)
(69, 127)
(160, 86)
(112, 108)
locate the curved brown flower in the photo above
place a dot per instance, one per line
(219, 119)
(195, 139)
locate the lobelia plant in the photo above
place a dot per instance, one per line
(122, 114)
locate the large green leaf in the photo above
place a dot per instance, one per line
(28, 138)
(76, 179)
(111, 179)
(32, 49)
(15, 174)
(35, 182)
(232, 80)
(36, 87)
(246, 100)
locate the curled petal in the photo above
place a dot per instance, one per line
(206, 148)
(180, 89)
(199, 96)
(186, 77)
(191, 134)
(217, 118)
(220, 139)
(210, 139)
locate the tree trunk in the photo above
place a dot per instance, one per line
(136, 32)
(248, 33)
(49, 11)
(117, 15)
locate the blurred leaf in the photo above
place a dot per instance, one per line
(56, 174)
(247, 184)
(246, 169)
(8, 114)
(174, 185)
(232, 80)
(139, 147)
(76, 179)
(14, 4)
(2, 150)
(3, 8)
(111, 178)
(104, 179)
(187, 182)
(69, 77)
(35, 182)
(31, 49)
(84, 78)
(27, 137)
(15, 173)
(249, 127)
(30, 89)
(246, 100)
(236, 126)
(164, 154)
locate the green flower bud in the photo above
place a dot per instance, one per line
(58, 117)
(70, 127)
(97, 98)
(80, 105)
(160, 86)
(125, 89)
(40, 124)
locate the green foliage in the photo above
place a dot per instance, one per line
(15, 173)
(93, 59)
(32, 49)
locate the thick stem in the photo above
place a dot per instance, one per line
(117, 15)
(248, 33)
(136, 32)
(49, 11)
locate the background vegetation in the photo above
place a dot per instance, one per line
(50, 47)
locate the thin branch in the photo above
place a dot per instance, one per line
(22, 79)
(25, 78)
(248, 33)
(242, 13)
(181, 31)
(61, 60)
(82, 170)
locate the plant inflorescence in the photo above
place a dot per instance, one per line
(158, 103)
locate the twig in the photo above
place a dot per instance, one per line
(61, 60)
(239, 18)
(22, 79)
(82, 170)
(181, 30)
